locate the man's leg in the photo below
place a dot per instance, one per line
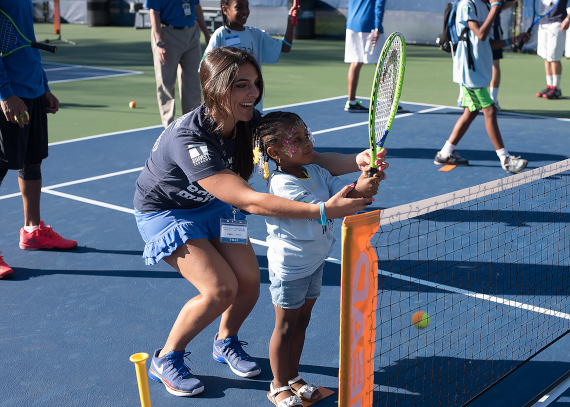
(353, 74)
(188, 75)
(165, 78)
(30, 183)
(495, 82)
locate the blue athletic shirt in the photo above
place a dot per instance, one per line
(557, 15)
(171, 12)
(365, 15)
(188, 150)
(21, 73)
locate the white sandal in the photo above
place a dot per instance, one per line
(306, 391)
(291, 401)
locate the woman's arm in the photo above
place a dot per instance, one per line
(227, 186)
(340, 164)
(482, 31)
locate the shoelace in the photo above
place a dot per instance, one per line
(48, 232)
(177, 361)
(236, 347)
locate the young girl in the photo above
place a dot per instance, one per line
(235, 33)
(297, 247)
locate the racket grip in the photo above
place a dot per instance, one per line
(45, 47)
(521, 44)
(371, 173)
(294, 18)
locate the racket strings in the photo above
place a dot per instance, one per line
(387, 89)
(7, 35)
(543, 7)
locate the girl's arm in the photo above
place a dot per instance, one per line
(340, 164)
(288, 38)
(228, 187)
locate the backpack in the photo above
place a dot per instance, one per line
(449, 38)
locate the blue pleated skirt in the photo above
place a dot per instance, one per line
(164, 231)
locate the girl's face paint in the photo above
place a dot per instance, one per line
(289, 147)
(296, 147)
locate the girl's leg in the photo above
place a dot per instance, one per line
(204, 267)
(243, 262)
(297, 343)
(285, 325)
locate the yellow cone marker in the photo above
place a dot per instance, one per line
(139, 359)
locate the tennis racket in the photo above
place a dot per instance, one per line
(12, 39)
(540, 8)
(386, 89)
(294, 18)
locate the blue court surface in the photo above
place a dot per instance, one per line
(58, 73)
(71, 320)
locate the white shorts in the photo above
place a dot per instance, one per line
(551, 42)
(355, 48)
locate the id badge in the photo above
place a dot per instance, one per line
(187, 9)
(233, 231)
(233, 41)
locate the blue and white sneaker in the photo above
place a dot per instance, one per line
(230, 351)
(171, 371)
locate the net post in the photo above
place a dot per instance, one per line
(359, 288)
(56, 18)
(139, 359)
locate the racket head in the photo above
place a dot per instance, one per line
(386, 90)
(543, 7)
(8, 34)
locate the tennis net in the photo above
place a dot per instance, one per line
(490, 265)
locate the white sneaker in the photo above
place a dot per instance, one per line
(514, 165)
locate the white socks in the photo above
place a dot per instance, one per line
(502, 153)
(549, 80)
(556, 81)
(30, 229)
(447, 149)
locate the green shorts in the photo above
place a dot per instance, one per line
(476, 98)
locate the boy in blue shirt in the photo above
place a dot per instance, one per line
(474, 79)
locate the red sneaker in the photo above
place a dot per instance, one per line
(44, 238)
(543, 92)
(5, 270)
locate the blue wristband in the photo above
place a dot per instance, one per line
(507, 42)
(323, 220)
(285, 42)
(496, 4)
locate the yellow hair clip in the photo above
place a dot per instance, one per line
(266, 170)
(256, 156)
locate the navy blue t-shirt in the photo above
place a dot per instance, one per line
(187, 151)
(557, 15)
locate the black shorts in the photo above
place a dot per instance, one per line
(28, 144)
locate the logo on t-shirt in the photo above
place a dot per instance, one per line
(199, 153)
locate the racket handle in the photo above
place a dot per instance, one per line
(371, 173)
(45, 47)
(294, 18)
(520, 44)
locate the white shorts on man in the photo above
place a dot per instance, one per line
(358, 49)
(551, 42)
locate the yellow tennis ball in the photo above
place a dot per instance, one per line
(420, 319)
(132, 105)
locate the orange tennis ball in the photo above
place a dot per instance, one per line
(420, 319)
(132, 105)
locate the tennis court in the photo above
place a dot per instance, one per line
(70, 320)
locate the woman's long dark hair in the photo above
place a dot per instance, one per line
(217, 75)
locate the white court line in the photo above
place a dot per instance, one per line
(553, 394)
(80, 181)
(63, 68)
(56, 143)
(473, 294)
(89, 201)
(96, 77)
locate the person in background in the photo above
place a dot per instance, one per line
(176, 50)
(25, 100)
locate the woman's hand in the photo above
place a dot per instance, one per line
(340, 206)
